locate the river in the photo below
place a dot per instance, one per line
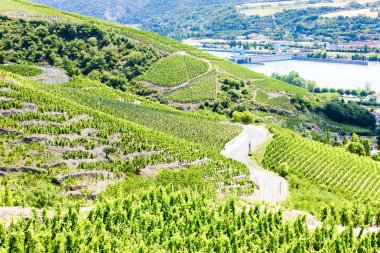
(331, 75)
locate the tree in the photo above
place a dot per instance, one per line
(326, 138)
(350, 113)
(363, 93)
(283, 170)
(245, 117)
(2, 58)
(340, 91)
(355, 92)
(347, 91)
(355, 138)
(356, 148)
(367, 146)
(345, 140)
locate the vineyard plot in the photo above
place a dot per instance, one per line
(354, 175)
(175, 70)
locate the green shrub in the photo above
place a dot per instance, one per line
(245, 117)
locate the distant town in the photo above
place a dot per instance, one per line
(256, 48)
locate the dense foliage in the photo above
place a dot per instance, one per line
(85, 49)
(350, 113)
(294, 78)
(217, 18)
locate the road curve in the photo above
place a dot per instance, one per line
(270, 187)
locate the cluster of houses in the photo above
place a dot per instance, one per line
(374, 98)
(367, 40)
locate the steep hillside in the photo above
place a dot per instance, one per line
(158, 68)
(160, 16)
(227, 19)
(145, 64)
(75, 139)
(88, 164)
(333, 169)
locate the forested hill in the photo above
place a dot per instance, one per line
(218, 18)
(171, 17)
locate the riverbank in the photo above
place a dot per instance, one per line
(326, 75)
(329, 60)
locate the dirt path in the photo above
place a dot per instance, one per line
(52, 75)
(270, 187)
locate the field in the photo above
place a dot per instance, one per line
(273, 99)
(271, 8)
(352, 13)
(17, 9)
(191, 127)
(175, 70)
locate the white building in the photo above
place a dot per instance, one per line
(373, 98)
(350, 98)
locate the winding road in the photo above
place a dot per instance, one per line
(270, 187)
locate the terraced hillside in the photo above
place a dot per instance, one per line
(192, 127)
(89, 165)
(356, 177)
(57, 145)
(149, 64)
(153, 66)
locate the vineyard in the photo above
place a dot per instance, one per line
(191, 127)
(201, 90)
(91, 165)
(164, 220)
(52, 136)
(356, 177)
(175, 70)
(23, 70)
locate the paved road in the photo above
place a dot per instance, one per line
(270, 187)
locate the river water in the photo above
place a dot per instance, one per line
(331, 75)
